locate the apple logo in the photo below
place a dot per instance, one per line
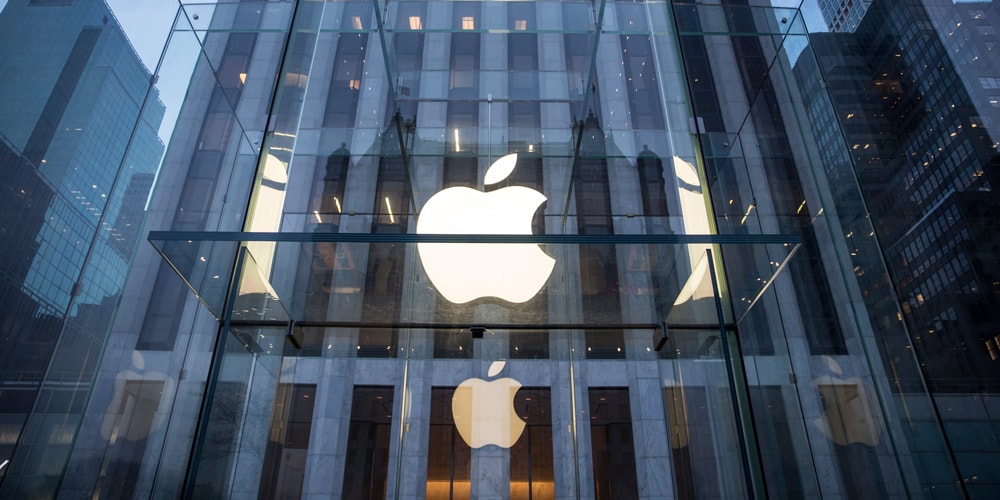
(462, 272)
(847, 417)
(484, 411)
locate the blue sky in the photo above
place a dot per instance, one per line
(147, 23)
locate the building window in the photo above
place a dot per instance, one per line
(366, 458)
(598, 262)
(449, 459)
(522, 63)
(612, 447)
(640, 79)
(532, 471)
(990, 83)
(691, 443)
(345, 82)
(288, 443)
(384, 278)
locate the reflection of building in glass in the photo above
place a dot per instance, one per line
(720, 320)
(922, 141)
(843, 15)
(77, 164)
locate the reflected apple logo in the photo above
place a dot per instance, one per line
(484, 410)
(463, 272)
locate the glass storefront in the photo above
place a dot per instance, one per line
(500, 249)
(500, 400)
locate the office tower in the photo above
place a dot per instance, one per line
(921, 141)
(337, 300)
(77, 164)
(843, 15)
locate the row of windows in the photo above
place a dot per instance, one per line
(701, 457)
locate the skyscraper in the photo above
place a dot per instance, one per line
(557, 249)
(922, 143)
(72, 141)
(843, 15)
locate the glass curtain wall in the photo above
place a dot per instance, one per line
(912, 177)
(78, 154)
(524, 249)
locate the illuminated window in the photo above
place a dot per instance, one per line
(468, 23)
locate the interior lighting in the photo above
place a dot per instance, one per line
(356, 21)
(388, 207)
(416, 23)
(468, 23)
(749, 209)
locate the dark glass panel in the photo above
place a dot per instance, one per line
(291, 425)
(691, 443)
(366, 461)
(612, 446)
(345, 82)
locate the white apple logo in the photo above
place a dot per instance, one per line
(847, 417)
(462, 272)
(484, 411)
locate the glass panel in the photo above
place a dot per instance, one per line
(635, 276)
(475, 416)
(255, 299)
(284, 466)
(643, 128)
(366, 467)
(233, 438)
(612, 447)
(205, 267)
(79, 150)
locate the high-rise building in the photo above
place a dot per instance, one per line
(907, 92)
(559, 249)
(75, 156)
(843, 15)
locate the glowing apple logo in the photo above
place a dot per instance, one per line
(463, 272)
(484, 411)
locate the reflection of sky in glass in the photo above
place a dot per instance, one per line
(146, 24)
(810, 11)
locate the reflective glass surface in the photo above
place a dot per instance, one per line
(733, 257)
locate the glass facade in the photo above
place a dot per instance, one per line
(559, 249)
(78, 154)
